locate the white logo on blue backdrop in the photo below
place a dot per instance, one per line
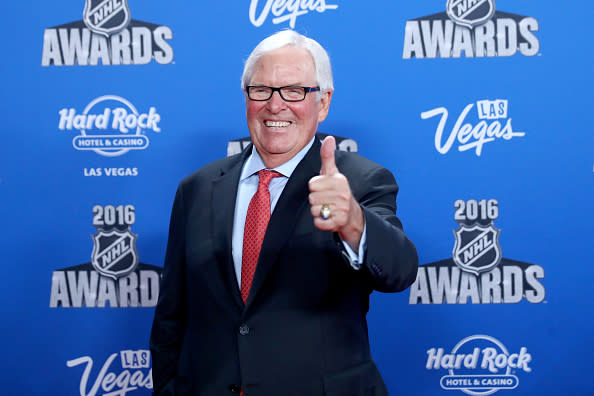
(470, 13)
(133, 374)
(107, 35)
(106, 16)
(470, 28)
(491, 115)
(283, 10)
(110, 126)
(477, 272)
(115, 277)
(479, 365)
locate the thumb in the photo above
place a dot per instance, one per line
(327, 156)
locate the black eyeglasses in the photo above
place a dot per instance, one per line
(290, 93)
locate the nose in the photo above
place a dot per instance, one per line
(276, 103)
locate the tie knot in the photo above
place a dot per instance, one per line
(266, 176)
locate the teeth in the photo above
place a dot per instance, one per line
(280, 124)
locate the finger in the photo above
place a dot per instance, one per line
(315, 210)
(325, 225)
(337, 215)
(329, 198)
(327, 156)
(315, 183)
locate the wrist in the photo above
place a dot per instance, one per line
(352, 231)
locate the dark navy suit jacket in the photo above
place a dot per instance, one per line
(303, 329)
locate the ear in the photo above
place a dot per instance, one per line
(324, 105)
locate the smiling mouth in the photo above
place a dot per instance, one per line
(277, 124)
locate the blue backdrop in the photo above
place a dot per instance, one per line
(482, 111)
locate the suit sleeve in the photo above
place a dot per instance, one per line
(170, 314)
(390, 258)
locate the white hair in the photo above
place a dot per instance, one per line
(291, 37)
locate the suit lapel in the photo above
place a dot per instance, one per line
(224, 194)
(292, 202)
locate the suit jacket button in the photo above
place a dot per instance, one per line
(234, 388)
(244, 329)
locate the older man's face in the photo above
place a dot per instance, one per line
(280, 129)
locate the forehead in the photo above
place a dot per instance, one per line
(286, 65)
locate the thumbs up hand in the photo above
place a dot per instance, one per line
(327, 155)
(331, 190)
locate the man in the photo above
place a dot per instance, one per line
(277, 306)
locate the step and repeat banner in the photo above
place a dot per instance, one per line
(482, 109)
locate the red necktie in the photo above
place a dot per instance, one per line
(257, 218)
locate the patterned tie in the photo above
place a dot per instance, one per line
(257, 218)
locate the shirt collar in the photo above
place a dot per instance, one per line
(254, 163)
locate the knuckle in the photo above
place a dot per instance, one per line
(339, 176)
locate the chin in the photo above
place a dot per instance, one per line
(276, 148)
(278, 142)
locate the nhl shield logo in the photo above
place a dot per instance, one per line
(114, 253)
(477, 248)
(106, 17)
(470, 13)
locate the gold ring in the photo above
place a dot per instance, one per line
(325, 212)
